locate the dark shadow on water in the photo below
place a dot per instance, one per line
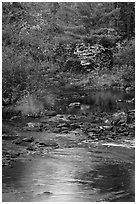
(98, 101)
(111, 178)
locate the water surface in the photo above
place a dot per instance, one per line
(73, 175)
(89, 172)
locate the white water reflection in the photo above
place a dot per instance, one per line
(125, 143)
(70, 175)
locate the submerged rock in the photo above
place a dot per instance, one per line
(23, 141)
(74, 126)
(56, 130)
(17, 141)
(45, 192)
(28, 139)
(51, 113)
(47, 143)
(9, 137)
(31, 148)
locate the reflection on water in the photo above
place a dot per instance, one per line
(73, 174)
(97, 100)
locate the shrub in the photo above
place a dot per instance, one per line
(129, 73)
(126, 53)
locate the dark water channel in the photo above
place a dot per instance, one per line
(94, 173)
(96, 101)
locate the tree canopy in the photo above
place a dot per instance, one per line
(38, 36)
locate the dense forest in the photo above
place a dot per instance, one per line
(88, 44)
(68, 101)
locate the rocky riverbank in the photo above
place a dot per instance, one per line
(61, 131)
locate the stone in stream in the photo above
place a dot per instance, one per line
(31, 148)
(108, 121)
(45, 192)
(56, 130)
(128, 89)
(28, 139)
(64, 129)
(94, 130)
(62, 125)
(74, 126)
(24, 140)
(75, 104)
(72, 117)
(119, 118)
(9, 157)
(106, 127)
(92, 135)
(14, 155)
(121, 130)
(47, 143)
(51, 113)
(17, 141)
(32, 126)
(58, 118)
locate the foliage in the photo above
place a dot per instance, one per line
(126, 21)
(125, 54)
(124, 58)
(128, 74)
(39, 38)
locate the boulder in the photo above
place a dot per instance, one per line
(106, 127)
(75, 104)
(128, 89)
(33, 126)
(107, 121)
(58, 118)
(84, 107)
(119, 118)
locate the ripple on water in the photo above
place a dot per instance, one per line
(73, 174)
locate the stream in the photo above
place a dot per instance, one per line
(78, 168)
